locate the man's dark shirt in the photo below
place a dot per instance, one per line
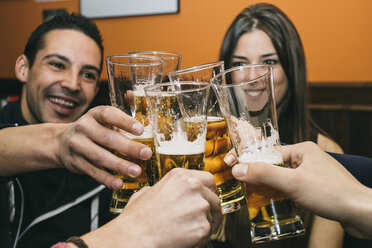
(45, 191)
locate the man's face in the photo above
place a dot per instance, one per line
(62, 82)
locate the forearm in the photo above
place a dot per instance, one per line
(359, 222)
(120, 232)
(28, 148)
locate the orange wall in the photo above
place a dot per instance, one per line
(337, 34)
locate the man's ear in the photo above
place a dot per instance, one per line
(22, 68)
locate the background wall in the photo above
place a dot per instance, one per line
(337, 34)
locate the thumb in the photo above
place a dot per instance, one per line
(262, 173)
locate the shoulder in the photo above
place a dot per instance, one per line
(328, 145)
(11, 113)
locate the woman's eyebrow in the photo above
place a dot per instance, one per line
(268, 55)
(239, 57)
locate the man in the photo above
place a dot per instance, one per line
(60, 69)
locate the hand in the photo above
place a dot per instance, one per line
(319, 183)
(84, 145)
(181, 210)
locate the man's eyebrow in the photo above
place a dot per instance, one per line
(92, 67)
(67, 60)
(61, 57)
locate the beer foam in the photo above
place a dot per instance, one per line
(214, 118)
(140, 90)
(257, 144)
(147, 134)
(179, 145)
(274, 157)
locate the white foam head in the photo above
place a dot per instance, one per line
(147, 134)
(268, 157)
(179, 145)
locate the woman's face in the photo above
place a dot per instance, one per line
(256, 48)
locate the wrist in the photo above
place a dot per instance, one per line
(358, 220)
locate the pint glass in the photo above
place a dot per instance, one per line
(127, 76)
(247, 101)
(218, 142)
(172, 61)
(179, 119)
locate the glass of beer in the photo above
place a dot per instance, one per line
(127, 77)
(179, 119)
(246, 98)
(172, 61)
(218, 142)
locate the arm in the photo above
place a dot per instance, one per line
(82, 146)
(323, 186)
(181, 211)
(325, 233)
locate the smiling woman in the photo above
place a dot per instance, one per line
(263, 34)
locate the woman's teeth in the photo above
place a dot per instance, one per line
(254, 93)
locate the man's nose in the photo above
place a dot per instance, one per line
(72, 82)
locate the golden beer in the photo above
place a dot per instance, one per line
(216, 148)
(149, 173)
(132, 185)
(268, 207)
(166, 162)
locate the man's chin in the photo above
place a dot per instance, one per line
(60, 118)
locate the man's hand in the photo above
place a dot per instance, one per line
(181, 210)
(84, 145)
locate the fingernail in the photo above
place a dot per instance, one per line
(240, 170)
(137, 128)
(145, 153)
(229, 159)
(117, 184)
(134, 171)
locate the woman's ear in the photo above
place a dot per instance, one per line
(21, 68)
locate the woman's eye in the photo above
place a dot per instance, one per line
(270, 62)
(239, 63)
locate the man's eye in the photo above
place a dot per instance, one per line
(90, 75)
(57, 65)
(270, 62)
(239, 63)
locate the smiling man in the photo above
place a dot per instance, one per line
(50, 129)
(61, 81)
(60, 68)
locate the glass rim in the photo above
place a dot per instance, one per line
(236, 68)
(156, 60)
(157, 87)
(196, 68)
(172, 54)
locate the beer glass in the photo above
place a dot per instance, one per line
(172, 61)
(218, 142)
(179, 119)
(246, 98)
(127, 77)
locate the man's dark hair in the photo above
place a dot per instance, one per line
(64, 21)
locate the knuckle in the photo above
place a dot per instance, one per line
(194, 184)
(204, 206)
(204, 229)
(176, 172)
(104, 112)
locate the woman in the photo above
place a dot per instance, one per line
(263, 34)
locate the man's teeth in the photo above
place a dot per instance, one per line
(61, 101)
(254, 93)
